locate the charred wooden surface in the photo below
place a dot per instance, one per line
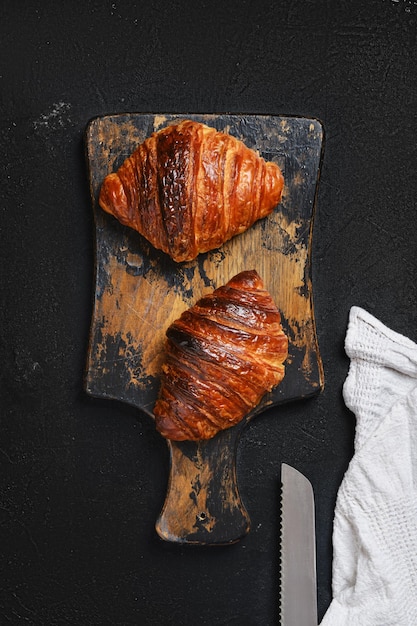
(139, 291)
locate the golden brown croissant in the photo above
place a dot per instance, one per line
(189, 188)
(223, 355)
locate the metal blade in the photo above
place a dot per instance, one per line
(298, 550)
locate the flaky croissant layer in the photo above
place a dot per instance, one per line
(222, 355)
(189, 188)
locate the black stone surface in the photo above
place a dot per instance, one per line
(83, 480)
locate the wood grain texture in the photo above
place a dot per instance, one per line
(139, 291)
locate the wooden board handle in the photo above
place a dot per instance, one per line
(203, 505)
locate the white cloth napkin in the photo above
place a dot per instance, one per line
(375, 524)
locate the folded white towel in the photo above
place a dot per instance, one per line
(375, 524)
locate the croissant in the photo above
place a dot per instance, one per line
(222, 355)
(189, 188)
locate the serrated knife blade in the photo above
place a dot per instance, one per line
(298, 602)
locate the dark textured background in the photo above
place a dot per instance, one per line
(82, 481)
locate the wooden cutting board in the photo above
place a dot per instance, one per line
(139, 291)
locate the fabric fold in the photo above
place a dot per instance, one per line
(375, 523)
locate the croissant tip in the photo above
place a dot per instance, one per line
(247, 279)
(274, 181)
(112, 197)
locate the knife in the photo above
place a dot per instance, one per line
(298, 550)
